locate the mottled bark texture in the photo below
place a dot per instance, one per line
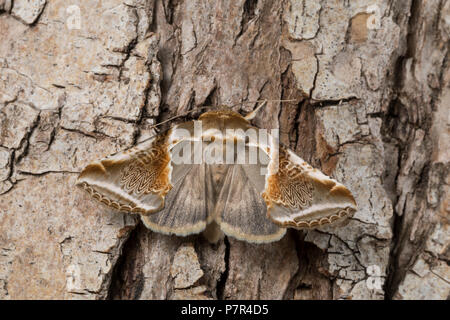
(371, 83)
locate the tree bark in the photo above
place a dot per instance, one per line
(81, 80)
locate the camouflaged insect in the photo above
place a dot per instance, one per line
(187, 198)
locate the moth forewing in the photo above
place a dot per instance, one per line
(121, 180)
(300, 196)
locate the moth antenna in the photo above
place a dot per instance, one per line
(176, 117)
(171, 119)
(252, 114)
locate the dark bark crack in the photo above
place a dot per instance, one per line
(221, 284)
(127, 279)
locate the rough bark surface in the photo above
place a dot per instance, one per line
(371, 81)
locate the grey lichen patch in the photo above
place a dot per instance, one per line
(28, 10)
(185, 267)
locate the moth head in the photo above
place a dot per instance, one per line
(221, 118)
(221, 112)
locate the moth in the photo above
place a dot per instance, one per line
(226, 177)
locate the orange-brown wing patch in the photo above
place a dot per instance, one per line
(149, 171)
(135, 180)
(289, 186)
(300, 196)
